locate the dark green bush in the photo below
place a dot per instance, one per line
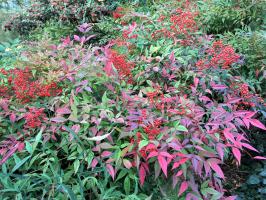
(219, 16)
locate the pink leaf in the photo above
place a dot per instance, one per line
(183, 187)
(172, 57)
(196, 82)
(237, 154)
(12, 117)
(220, 151)
(230, 198)
(9, 154)
(229, 135)
(175, 165)
(142, 174)
(77, 38)
(58, 119)
(165, 154)
(94, 162)
(214, 165)
(21, 146)
(233, 100)
(127, 163)
(179, 173)
(257, 123)
(108, 68)
(249, 147)
(219, 87)
(106, 154)
(63, 111)
(260, 157)
(163, 164)
(153, 154)
(111, 171)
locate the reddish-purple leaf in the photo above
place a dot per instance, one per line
(111, 170)
(163, 164)
(142, 174)
(257, 123)
(214, 165)
(237, 154)
(183, 188)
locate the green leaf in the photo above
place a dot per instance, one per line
(143, 143)
(76, 166)
(98, 138)
(182, 128)
(37, 140)
(18, 165)
(68, 190)
(127, 185)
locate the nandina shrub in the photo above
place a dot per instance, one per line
(141, 107)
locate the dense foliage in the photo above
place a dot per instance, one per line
(155, 110)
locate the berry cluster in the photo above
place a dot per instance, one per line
(219, 55)
(34, 117)
(122, 66)
(118, 13)
(22, 84)
(152, 130)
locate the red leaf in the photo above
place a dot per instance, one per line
(111, 171)
(142, 174)
(214, 165)
(237, 154)
(183, 187)
(163, 164)
(257, 123)
(260, 157)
